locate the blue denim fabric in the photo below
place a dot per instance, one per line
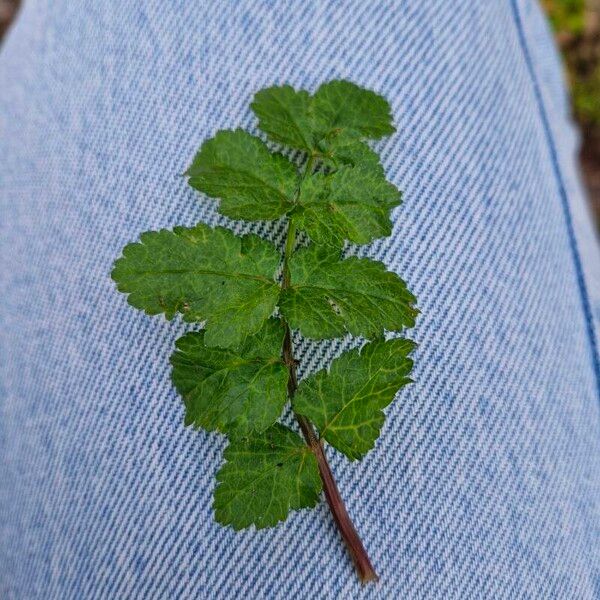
(485, 482)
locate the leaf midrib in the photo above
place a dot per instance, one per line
(365, 295)
(307, 145)
(355, 398)
(157, 273)
(292, 453)
(259, 183)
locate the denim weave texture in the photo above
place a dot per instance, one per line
(485, 482)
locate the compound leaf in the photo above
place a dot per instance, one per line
(252, 182)
(284, 114)
(346, 403)
(231, 374)
(207, 274)
(329, 297)
(349, 204)
(265, 477)
(232, 391)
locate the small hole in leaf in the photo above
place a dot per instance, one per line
(334, 306)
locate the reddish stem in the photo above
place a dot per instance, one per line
(342, 519)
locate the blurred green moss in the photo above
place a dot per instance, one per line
(567, 16)
(586, 98)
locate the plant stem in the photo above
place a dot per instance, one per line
(342, 519)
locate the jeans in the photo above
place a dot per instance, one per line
(485, 482)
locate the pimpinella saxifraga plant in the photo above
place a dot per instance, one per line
(237, 373)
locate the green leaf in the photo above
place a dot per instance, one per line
(347, 149)
(206, 274)
(329, 297)
(343, 106)
(265, 477)
(232, 374)
(284, 115)
(329, 125)
(235, 392)
(346, 403)
(350, 204)
(252, 182)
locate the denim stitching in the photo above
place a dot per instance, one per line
(585, 300)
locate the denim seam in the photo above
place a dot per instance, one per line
(587, 309)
